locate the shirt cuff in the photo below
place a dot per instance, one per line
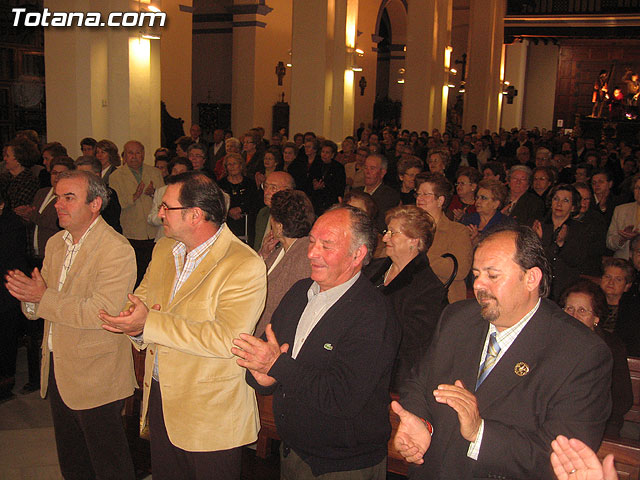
(474, 447)
(30, 308)
(139, 339)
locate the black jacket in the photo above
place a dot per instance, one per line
(331, 403)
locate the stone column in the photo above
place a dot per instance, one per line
(424, 100)
(322, 82)
(485, 67)
(101, 82)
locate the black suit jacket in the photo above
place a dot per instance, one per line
(331, 403)
(385, 198)
(527, 209)
(418, 297)
(455, 164)
(566, 391)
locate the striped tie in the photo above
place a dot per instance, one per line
(493, 349)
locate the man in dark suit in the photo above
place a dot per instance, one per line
(522, 205)
(504, 375)
(464, 158)
(385, 197)
(327, 358)
(217, 149)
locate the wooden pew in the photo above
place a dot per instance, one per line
(633, 415)
(626, 452)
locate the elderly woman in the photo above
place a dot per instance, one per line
(432, 194)
(563, 238)
(464, 200)
(291, 220)
(490, 197)
(586, 302)
(622, 317)
(408, 169)
(271, 162)
(244, 199)
(289, 152)
(543, 180)
(438, 160)
(415, 291)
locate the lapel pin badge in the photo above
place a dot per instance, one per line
(521, 369)
(328, 346)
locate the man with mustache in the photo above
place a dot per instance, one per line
(504, 374)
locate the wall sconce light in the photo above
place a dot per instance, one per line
(356, 68)
(359, 52)
(401, 72)
(281, 71)
(362, 84)
(289, 64)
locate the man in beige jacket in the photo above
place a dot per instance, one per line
(135, 184)
(86, 371)
(202, 289)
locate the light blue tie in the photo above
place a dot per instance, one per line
(493, 349)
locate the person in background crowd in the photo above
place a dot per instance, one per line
(291, 218)
(433, 193)
(408, 169)
(586, 302)
(622, 318)
(88, 146)
(464, 200)
(107, 153)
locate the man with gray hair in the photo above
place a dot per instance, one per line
(87, 371)
(522, 205)
(385, 197)
(327, 358)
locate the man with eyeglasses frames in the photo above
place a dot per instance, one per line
(202, 289)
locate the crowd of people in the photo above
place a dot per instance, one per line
(391, 226)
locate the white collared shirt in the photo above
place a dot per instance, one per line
(505, 339)
(319, 303)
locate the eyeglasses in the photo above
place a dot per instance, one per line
(580, 311)
(462, 184)
(566, 201)
(483, 197)
(164, 206)
(422, 194)
(390, 232)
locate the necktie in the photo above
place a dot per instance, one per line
(493, 349)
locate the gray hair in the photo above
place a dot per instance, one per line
(363, 231)
(95, 186)
(384, 163)
(521, 168)
(93, 162)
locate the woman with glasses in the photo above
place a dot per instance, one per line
(586, 302)
(405, 276)
(563, 238)
(464, 200)
(408, 169)
(433, 192)
(490, 197)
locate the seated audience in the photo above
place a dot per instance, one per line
(405, 276)
(586, 302)
(408, 169)
(625, 224)
(543, 181)
(622, 319)
(522, 205)
(464, 200)
(17, 184)
(490, 197)
(433, 193)
(563, 238)
(271, 162)
(355, 170)
(327, 177)
(291, 220)
(244, 199)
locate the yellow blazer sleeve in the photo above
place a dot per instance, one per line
(207, 325)
(102, 282)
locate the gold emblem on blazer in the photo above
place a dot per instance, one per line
(521, 369)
